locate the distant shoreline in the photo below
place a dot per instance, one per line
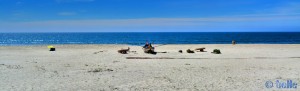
(152, 37)
(130, 45)
(159, 32)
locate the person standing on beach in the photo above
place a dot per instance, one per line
(233, 42)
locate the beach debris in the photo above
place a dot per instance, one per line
(86, 65)
(98, 52)
(51, 48)
(189, 51)
(279, 77)
(100, 70)
(229, 79)
(199, 58)
(149, 58)
(123, 51)
(200, 49)
(161, 58)
(180, 51)
(41, 68)
(161, 52)
(12, 66)
(33, 62)
(204, 68)
(67, 65)
(134, 52)
(115, 61)
(187, 64)
(55, 72)
(112, 88)
(216, 51)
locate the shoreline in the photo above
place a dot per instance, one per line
(136, 45)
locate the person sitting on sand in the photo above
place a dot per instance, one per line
(150, 45)
(146, 45)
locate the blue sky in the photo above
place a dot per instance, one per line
(149, 16)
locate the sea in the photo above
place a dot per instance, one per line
(139, 38)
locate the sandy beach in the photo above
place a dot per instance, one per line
(242, 67)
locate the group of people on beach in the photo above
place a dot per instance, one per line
(147, 45)
(148, 48)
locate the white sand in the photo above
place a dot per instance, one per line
(70, 68)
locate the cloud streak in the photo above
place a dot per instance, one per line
(158, 23)
(66, 13)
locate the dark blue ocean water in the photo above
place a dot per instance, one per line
(156, 38)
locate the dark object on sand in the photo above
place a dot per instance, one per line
(161, 52)
(200, 49)
(160, 58)
(149, 58)
(233, 42)
(216, 51)
(52, 49)
(189, 51)
(124, 51)
(149, 50)
(180, 51)
(98, 52)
